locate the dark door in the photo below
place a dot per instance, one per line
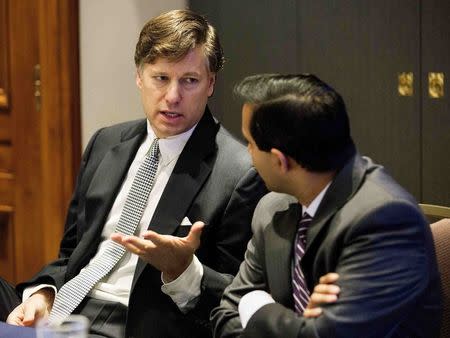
(366, 50)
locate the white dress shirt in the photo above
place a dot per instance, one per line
(116, 286)
(254, 300)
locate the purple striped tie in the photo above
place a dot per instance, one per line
(300, 291)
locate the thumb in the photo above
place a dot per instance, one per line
(195, 233)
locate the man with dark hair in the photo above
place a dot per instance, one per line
(343, 214)
(131, 260)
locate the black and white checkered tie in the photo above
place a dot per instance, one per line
(73, 292)
(299, 288)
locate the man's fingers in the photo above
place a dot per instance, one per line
(156, 238)
(29, 315)
(329, 278)
(15, 318)
(319, 298)
(133, 244)
(327, 288)
(312, 313)
(195, 233)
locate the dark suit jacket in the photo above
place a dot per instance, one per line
(212, 181)
(367, 229)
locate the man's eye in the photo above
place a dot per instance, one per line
(190, 80)
(160, 78)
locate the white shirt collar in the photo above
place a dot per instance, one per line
(172, 146)
(314, 205)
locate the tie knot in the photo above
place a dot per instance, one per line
(306, 219)
(154, 148)
(303, 225)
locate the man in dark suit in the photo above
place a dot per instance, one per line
(343, 214)
(173, 272)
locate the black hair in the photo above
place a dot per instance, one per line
(301, 116)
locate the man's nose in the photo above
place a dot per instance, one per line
(173, 94)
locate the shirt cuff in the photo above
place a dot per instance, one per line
(32, 289)
(252, 302)
(186, 288)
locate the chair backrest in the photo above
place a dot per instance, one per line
(435, 212)
(441, 236)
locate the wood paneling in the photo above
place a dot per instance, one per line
(39, 146)
(4, 86)
(7, 262)
(5, 127)
(5, 158)
(26, 134)
(6, 189)
(58, 32)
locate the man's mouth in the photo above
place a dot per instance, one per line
(170, 114)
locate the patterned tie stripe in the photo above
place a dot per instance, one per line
(300, 290)
(73, 292)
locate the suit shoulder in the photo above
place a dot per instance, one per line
(114, 133)
(119, 128)
(232, 150)
(381, 199)
(271, 204)
(380, 189)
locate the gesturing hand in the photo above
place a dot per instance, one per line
(324, 292)
(169, 254)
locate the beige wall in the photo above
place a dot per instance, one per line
(108, 33)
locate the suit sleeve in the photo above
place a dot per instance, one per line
(54, 272)
(384, 267)
(251, 276)
(230, 238)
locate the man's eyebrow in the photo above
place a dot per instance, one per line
(191, 74)
(156, 71)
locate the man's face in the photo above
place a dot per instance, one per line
(263, 161)
(174, 94)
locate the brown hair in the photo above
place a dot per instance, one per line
(173, 34)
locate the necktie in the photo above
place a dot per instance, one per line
(73, 292)
(300, 291)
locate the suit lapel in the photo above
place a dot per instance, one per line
(278, 254)
(108, 178)
(191, 170)
(345, 184)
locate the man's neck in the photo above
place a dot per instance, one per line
(307, 187)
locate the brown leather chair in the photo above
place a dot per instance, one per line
(441, 235)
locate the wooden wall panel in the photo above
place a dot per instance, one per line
(5, 158)
(7, 261)
(58, 30)
(4, 86)
(39, 144)
(5, 127)
(24, 51)
(6, 189)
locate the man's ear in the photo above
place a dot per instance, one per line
(282, 160)
(211, 83)
(138, 79)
